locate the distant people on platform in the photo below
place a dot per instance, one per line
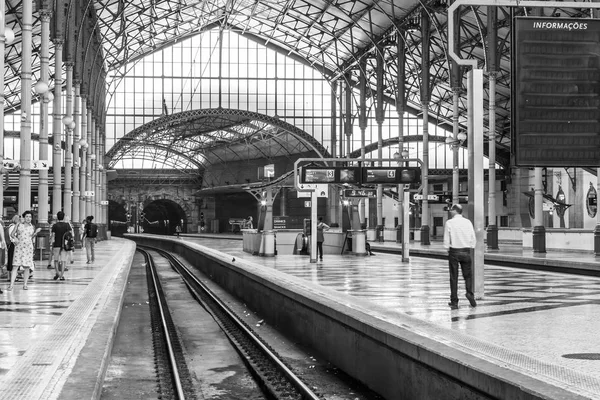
(178, 229)
(459, 239)
(321, 226)
(90, 233)
(58, 237)
(10, 246)
(202, 223)
(23, 236)
(249, 224)
(3, 247)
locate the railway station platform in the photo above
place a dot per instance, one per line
(56, 337)
(536, 326)
(538, 323)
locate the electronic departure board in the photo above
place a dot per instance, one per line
(556, 92)
(330, 175)
(361, 175)
(392, 175)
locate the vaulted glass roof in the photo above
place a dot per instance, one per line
(329, 36)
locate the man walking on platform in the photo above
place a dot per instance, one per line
(59, 254)
(459, 239)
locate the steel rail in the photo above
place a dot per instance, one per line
(304, 390)
(173, 362)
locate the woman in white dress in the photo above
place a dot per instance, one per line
(23, 237)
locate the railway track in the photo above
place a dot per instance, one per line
(272, 374)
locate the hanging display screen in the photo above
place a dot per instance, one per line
(556, 92)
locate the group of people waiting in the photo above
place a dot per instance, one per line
(17, 242)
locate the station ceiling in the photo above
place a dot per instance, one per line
(330, 35)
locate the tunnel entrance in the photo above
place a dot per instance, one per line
(159, 217)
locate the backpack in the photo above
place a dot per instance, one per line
(67, 241)
(92, 231)
(7, 237)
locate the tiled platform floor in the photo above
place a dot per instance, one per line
(43, 329)
(547, 322)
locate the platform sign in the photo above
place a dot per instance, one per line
(556, 109)
(89, 193)
(397, 175)
(10, 164)
(40, 165)
(349, 175)
(369, 193)
(318, 175)
(103, 202)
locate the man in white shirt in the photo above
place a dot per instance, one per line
(459, 239)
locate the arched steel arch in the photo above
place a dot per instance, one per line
(218, 136)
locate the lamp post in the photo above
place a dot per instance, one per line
(455, 143)
(403, 210)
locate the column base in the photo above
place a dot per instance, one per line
(539, 239)
(597, 240)
(267, 247)
(359, 243)
(425, 235)
(492, 237)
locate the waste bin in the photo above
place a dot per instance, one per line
(108, 234)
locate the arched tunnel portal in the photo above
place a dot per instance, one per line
(158, 217)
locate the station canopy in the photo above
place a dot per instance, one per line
(330, 36)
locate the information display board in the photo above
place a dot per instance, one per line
(556, 92)
(360, 175)
(398, 175)
(369, 193)
(349, 175)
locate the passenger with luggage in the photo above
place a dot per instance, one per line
(90, 233)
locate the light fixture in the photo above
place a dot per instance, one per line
(82, 142)
(49, 96)
(71, 126)
(454, 143)
(100, 167)
(263, 202)
(9, 35)
(41, 87)
(404, 153)
(67, 120)
(92, 156)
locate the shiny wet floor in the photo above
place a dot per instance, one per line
(540, 322)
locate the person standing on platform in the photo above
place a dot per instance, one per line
(90, 233)
(72, 251)
(321, 226)
(23, 236)
(459, 239)
(51, 260)
(56, 237)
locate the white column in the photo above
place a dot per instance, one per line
(26, 44)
